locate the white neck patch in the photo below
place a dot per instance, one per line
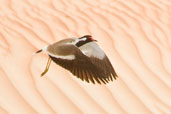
(77, 40)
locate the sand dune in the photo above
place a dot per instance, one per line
(135, 34)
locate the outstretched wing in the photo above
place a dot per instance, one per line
(99, 59)
(81, 65)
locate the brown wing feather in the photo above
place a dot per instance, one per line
(106, 67)
(87, 69)
(81, 68)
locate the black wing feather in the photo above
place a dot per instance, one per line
(87, 68)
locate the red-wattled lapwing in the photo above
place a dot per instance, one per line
(82, 57)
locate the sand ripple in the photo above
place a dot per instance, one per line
(134, 34)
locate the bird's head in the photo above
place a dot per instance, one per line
(83, 40)
(87, 38)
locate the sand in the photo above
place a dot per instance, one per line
(135, 35)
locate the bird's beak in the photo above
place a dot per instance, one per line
(95, 40)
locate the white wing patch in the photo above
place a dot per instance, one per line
(68, 57)
(91, 49)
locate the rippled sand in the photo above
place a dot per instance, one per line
(136, 36)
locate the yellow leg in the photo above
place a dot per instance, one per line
(47, 67)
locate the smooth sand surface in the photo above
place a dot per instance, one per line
(135, 34)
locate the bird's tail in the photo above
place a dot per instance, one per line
(37, 52)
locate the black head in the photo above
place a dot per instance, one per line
(84, 39)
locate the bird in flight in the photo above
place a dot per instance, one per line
(82, 57)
